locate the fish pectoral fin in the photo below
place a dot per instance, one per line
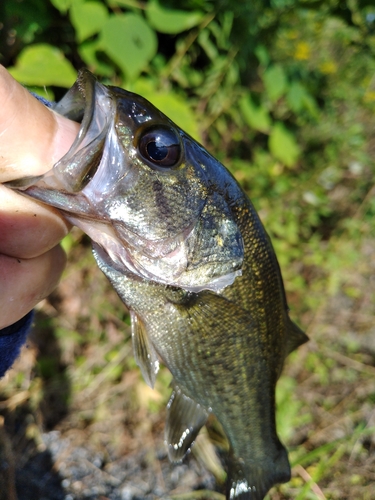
(253, 481)
(185, 418)
(295, 337)
(144, 351)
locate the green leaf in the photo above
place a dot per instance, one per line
(299, 98)
(257, 117)
(174, 106)
(283, 145)
(262, 54)
(207, 45)
(87, 18)
(41, 65)
(171, 21)
(87, 50)
(62, 5)
(42, 92)
(131, 4)
(275, 81)
(130, 42)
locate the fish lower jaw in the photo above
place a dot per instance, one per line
(169, 270)
(173, 270)
(103, 234)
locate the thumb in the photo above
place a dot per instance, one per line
(32, 137)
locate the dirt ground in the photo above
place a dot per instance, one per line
(78, 422)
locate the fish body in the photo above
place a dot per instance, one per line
(187, 253)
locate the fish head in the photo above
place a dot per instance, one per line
(144, 190)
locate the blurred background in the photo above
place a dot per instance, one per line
(283, 93)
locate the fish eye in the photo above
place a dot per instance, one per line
(160, 147)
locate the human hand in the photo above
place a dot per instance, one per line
(32, 139)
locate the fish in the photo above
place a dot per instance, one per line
(187, 253)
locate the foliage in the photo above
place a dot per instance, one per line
(268, 82)
(281, 91)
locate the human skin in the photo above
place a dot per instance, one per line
(32, 139)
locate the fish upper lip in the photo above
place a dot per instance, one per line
(95, 108)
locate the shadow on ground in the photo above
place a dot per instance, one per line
(26, 466)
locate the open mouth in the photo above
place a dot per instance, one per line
(89, 184)
(87, 102)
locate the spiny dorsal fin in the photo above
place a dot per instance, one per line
(295, 337)
(144, 352)
(184, 420)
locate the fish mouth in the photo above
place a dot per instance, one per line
(63, 187)
(81, 183)
(165, 262)
(87, 102)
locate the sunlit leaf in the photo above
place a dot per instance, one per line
(262, 54)
(124, 3)
(207, 45)
(87, 18)
(299, 98)
(283, 145)
(43, 64)
(44, 92)
(171, 21)
(257, 117)
(130, 42)
(62, 5)
(275, 81)
(87, 51)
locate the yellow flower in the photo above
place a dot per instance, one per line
(369, 96)
(328, 67)
(302, 52)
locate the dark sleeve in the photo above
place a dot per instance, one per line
(12, 339)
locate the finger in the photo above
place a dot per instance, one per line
(24, 283)
(28, 229)
(32, 137)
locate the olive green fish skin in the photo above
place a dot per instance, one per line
(218, 319)
(226, 351)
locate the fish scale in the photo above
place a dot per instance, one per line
(187, 253)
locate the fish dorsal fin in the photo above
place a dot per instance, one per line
(185, 418)
(144, 352)
(295, 337)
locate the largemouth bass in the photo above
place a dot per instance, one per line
(187, 253)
